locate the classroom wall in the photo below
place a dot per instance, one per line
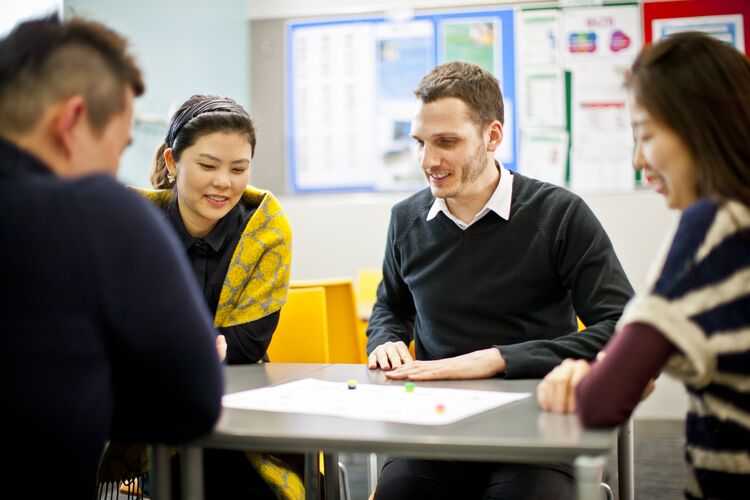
(334, 234)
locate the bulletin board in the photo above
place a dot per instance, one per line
(574, 129)
(728, 20)
(349, 93)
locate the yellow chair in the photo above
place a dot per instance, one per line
(368, 281)
(341, 311)
(302, 333)
(366, 290)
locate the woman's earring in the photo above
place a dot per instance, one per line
(170, 178)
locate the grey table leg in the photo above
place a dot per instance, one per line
(161, 474)
(589, 477)
(372, 473)
(191, 477)
(312, 476)
(331, 461)
(625, 469)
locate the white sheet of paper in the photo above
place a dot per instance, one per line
(539, 37)
(544, 98)
(371, 402)
(544, 155)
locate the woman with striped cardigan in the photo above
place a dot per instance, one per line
(690, 112)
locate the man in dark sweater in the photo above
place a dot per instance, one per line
(104, 335)
(486, 270)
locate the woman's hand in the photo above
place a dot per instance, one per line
(221, 347)
(557, 391)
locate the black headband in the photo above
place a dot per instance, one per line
(183, 117)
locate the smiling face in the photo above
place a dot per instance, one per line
(211, 176)
(665, 159)
(456, 157)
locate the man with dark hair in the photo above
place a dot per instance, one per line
(104, 334)
(486, 271)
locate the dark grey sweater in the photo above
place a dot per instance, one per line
(515, 284)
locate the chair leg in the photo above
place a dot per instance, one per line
(372, 472)
(312, 476)
(332, 485)
(344, 482)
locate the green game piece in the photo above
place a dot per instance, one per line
(409, 386)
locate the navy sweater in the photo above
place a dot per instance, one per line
(515, 284)
(104, 333)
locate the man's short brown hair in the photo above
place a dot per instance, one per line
(44, 61)
(478, 88)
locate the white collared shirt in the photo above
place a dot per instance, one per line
(499, 202)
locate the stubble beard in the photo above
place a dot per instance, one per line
(471, 171)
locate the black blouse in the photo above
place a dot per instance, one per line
(210, 257)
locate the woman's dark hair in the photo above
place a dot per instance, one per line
(198, 116)
(700, 88)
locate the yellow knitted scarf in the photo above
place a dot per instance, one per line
(257, 280)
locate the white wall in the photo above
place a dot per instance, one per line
(263, 9)
(183, 48)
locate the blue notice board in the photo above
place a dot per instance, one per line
(349, 95)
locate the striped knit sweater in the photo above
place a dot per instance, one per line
(700, 301)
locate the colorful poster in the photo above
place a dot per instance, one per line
(728, 29)
(405, 54)
(472, 40)
(591, 34)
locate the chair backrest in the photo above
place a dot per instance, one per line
(367, 286)
(302, 333)
(341, 310)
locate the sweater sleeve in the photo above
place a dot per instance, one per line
(588, 267)
(610, 392)
(247, 343)
(166, 377)
(393, 314)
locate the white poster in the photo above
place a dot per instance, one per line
(728, 29)
(387, 403)
(544, 155)
(539, 37)
(602, 146)
(544, 98)
(333, 99)
(600, 44)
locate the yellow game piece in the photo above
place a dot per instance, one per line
(351, 384)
